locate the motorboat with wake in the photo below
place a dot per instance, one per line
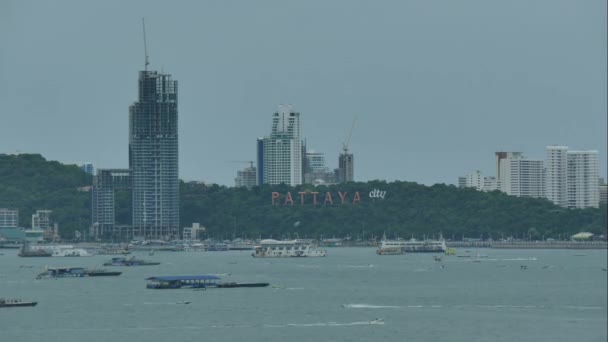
(119, 261)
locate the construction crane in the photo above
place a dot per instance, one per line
(350, 133)
(251, 162)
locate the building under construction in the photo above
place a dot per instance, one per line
(153, 157)
(152, 176)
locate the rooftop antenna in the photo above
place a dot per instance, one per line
(143, 23)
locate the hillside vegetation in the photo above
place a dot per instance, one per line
(29, 182)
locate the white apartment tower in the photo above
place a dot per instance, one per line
(583, 179)
(282, 150)
(522, 177)
(556, 175)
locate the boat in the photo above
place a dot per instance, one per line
(217, 247)
(11, 303)
(118, 261)
(231, 285)
(27, 252)
(74, 272)
(180, 282)
(196, 282)
(390, 251)
(415, 246)
(60, 250)
(270, 248)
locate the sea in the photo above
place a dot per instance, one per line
(350, 295)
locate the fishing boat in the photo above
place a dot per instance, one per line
(118, 261)
(11, 303)
(74, 272)
(270, 248)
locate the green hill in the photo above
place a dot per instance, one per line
(407, 209)
(29, 182)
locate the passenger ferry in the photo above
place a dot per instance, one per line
(414, 246)
(270, 248)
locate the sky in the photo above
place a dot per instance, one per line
(436, 86)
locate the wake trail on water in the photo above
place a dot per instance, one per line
(217, 326)
(489, 306)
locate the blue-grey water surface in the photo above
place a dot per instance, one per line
(561, 296)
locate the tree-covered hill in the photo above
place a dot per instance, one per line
(29, 182)
(407, 209)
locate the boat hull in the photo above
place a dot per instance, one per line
(17, 305)
(233, 285)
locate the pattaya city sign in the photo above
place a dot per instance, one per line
(322, 198)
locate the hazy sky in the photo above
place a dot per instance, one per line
(437, 86)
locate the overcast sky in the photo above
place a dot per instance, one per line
(437, 86)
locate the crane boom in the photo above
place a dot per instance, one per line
(143, 23)
(350, 133)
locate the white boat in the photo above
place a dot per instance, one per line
(63, 250)
(270, 248)
(414, 246)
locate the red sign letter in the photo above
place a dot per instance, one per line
(314, 198)
(288, 199)
(275, 196)
(357, 197)
(328, 199)
(302, 194)
(342, 196)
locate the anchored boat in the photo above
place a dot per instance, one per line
(270, 248)
(194, 282)
(75, 272)
(10, 303)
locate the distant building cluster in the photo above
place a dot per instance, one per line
(567, 178)
(283, 158)
(43, 228)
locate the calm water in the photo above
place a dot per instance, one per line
(561, 296)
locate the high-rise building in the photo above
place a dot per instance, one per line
(522, 177)
(490, 183)
(153, 157)
(87, 167)
(583, 179)
(462, 182)
(500, 156)
(316, 172)
(282, 150)
(556, 175)
(246, 177)
(603, 190)
(41, 220)
(346, 167)
(474, 180)
(260, 161)
(9, 218)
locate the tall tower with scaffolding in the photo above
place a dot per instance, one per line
(153, 155)
(346, 161)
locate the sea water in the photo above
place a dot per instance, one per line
(350, 295)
